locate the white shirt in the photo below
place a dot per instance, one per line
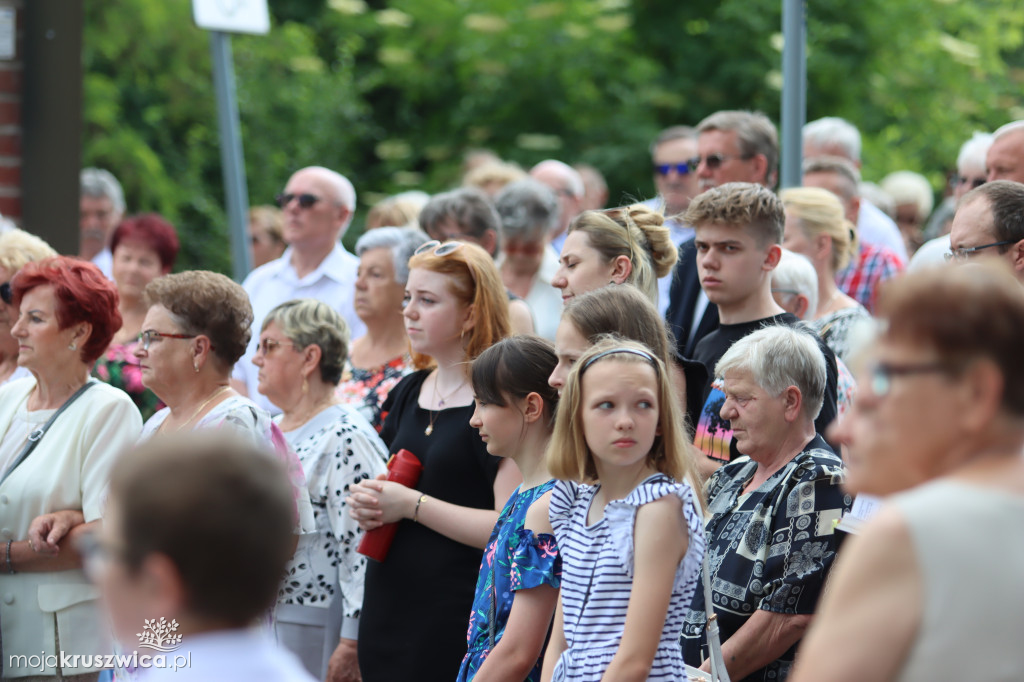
(544, 300)
(932, 252)
(104, 260)
(679, 232)
(875, 227)
(270, 285)
(227, 656)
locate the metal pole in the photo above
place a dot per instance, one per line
(232, 163)
(794, 89)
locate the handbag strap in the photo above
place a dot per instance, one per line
(718, 671)
(37, 435)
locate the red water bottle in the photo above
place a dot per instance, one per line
(405, 468)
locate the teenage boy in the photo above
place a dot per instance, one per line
(738, 242)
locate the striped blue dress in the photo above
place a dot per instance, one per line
(597, 577)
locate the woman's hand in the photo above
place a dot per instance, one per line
(47, 530)
(376, 502)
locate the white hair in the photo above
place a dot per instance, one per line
(972, 153)
(908, 187)
(833, 131)
(401, 241)
(99, 183)
(572, 177)
(1007, 129)
(794, 273)
(779, 357)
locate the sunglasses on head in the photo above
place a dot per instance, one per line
(6, 295)
(305, 200)
(666, 168)
(439, 249)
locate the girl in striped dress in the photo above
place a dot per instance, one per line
(628, 523)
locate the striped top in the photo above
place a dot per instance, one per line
(597, 577)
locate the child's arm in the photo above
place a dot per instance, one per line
(660, 539)
(515, 654)
(556, 645)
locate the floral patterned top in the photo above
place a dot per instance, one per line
(366, 389)
(515, 559)
(338, 449)
(119, 368)
(768, 549)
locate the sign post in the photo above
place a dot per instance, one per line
(794, 90)
(221, 17)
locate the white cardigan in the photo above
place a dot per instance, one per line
(69, 469)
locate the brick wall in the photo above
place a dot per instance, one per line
(10, 122)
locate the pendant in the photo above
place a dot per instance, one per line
(429, 430)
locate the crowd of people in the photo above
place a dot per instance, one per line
(587, 443)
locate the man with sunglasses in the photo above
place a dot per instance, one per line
(732, 146)
(989, 223)
(318, 206)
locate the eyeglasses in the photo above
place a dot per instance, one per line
(146, 337)
(525, 248)
(6, 295)
(882, 374)
(439, 249)
(666, 168)
(964, 254)
(305, 200)
(267, 346)
(715, 161)
(792, 292)
(964, 180)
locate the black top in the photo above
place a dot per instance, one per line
(417, 602)
(713, 434)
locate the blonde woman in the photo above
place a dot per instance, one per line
(816, 227)
(17, 249)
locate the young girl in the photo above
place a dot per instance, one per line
(517, 587)
(630, 536)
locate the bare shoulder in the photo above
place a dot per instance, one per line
(660, 524)
(537, 519)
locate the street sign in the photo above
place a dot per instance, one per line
(232, 16)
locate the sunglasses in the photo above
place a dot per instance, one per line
(975, 183)
(715, 161)
(6, 295)
(666, 168)
(439, 249)
(305, 200)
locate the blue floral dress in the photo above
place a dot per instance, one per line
(515, 559)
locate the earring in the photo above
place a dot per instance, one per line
(72, 346)
(195, 366)
(305, 385)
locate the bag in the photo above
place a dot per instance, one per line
(718, 671)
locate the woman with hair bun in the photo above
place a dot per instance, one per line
(816, 227)
(622, 245)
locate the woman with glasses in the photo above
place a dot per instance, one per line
(17, 249)
(816, 227)
(59, 434)
(413, 625)
(302, 348)
(927, 590)
(379, 358)
(144, 247)
(616, 246)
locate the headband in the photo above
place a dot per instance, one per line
(615, 351)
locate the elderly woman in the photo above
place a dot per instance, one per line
(302, 347)
(144, 248)
(17, 249)
(938, 425)
(770, 538)
(67, 316)
(816, 228)
(529, 210)
(380, 358)
(266, 234)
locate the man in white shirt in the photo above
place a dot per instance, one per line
(100, 209)
(318, 205)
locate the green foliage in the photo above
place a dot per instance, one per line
(392, 93)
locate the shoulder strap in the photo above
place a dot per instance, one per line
(718, 671)
(37, 435)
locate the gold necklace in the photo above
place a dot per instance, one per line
(199, 409)
(440, 405)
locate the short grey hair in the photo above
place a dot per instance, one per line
(673, 133)
(779, 357)
(795, 273)
(755, 133)
(833, 131)
(101, 184)
(972, 153)
(401, 241)
(467, 207)
(908, 187)
(307, 322)
(1007, 129)
(527, 208)
(839, 166)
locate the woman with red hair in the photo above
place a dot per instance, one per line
(59, 433)
(144, 247)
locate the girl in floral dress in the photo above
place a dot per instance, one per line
(517, 588)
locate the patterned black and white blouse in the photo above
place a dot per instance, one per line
(770, 548)
(337, 448)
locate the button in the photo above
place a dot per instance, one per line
(9, 598)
